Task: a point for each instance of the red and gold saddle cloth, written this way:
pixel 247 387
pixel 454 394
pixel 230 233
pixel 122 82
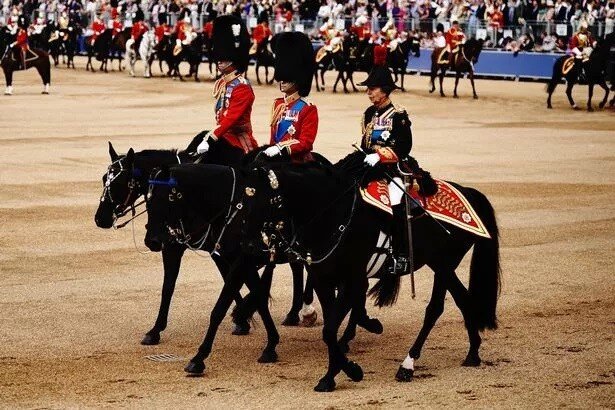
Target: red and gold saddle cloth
pixel 447 205
pixel 450 206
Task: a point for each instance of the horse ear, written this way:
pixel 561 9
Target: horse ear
pixel 130 156
pixel 112 152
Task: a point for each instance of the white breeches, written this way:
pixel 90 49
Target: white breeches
pixel 395 193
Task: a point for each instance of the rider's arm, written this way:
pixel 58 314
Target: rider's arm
pixel 241 100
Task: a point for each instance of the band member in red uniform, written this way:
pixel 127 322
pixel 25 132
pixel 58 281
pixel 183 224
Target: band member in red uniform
pixel 361 29
pixel 98 27
pixel 294 120
pixel 232 138
pixel 454 38
pixel 161 30
pixel 260 32
pixel 116 26
pixel 21 41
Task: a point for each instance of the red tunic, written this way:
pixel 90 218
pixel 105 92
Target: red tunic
pixel 98 27
pixel 580 44
pixel 298 140
pixel 117 28
pixel 260 33
pixel 22 39
pixel 234 99
pixel 161 31
pixel 208 29
pixel 138 29
pixel 179 30
pixel 362 32
pixel 454 37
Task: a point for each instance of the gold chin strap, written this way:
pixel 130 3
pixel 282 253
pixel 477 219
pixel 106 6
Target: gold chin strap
pixel 289 99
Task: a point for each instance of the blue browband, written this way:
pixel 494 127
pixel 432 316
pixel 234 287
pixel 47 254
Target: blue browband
pixel 170 182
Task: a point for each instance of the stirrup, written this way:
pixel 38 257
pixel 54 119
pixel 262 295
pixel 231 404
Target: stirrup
pixel 399 266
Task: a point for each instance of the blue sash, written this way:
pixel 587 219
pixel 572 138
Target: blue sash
pixel 382 124
pixel 289 117
pixel 222 102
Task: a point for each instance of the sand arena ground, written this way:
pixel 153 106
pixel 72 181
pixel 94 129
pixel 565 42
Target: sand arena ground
pixel 76 300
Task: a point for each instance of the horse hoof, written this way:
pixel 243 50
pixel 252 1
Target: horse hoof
pixel 455 96
pixel 475 97
pixel 601 105
pixel 404 375
pixel 309 320
pixel 45 92
pixel 151 339
pixel 550 106
pixel 354 371
pixel 471 361
pixel 268 357
pixel 325 386
pixel 195 369
pixel 291 320
pixel 576 108
pixel 7 93
pixel 442 95
pixel 372 326
pixel 590 109
pixel 241 329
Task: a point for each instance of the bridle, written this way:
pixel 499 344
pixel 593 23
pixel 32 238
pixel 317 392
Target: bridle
pixel 122 208
pixel 179 234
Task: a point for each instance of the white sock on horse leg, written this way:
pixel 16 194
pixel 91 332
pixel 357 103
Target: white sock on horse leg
pixel 307 310
pixel 408 363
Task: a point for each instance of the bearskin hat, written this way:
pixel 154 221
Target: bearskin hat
pixel 294 60
pixel 231 41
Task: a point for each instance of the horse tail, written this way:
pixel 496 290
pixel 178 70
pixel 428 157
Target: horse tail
pixel 386 290
pixel 485 271
pixel 556 76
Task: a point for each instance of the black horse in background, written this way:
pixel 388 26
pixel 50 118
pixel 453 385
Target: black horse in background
pixel 117 48
pixel 303 194
pixel 331 60
pixel 594 69
pixel 68 41
pixel 11 61
pixel 398 57
pixel 192 54
pixel 461 62
pixel 264 58
pixel 100 50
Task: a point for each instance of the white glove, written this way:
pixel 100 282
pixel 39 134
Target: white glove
pixel 372 159
pixel 272 151
pixel 203 147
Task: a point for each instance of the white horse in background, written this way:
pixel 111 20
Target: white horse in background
pixel 146 52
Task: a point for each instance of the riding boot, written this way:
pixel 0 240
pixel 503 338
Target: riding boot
pixel 400 240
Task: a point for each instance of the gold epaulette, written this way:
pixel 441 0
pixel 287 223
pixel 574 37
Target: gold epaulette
pixel 400 108
pixel 219 87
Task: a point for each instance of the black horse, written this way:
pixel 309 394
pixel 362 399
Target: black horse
pixel 460 62
pixel 11 60
pixel 330 60
pixel 100 50
pixel 595 73
pixel 127 182
pixel 398 57
pixel 314 200
pixel 191 53
pixel 68 39
pixel 117 48
pixel 264 58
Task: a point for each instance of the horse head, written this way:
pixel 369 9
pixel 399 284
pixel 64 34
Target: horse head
pixel 119 188
pixel 472 49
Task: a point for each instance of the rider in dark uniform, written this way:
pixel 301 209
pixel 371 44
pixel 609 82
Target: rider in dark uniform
pixel 387 140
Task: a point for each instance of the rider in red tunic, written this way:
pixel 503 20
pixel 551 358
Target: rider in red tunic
pixel 138 29
pixel 294 120
pixel 162 30
pixel 98 27
pixel 117 26
pixel 232 138
pixel 261 31
pixel 21 41
pixel 361 29
pixel 454 38
pixel 581 43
